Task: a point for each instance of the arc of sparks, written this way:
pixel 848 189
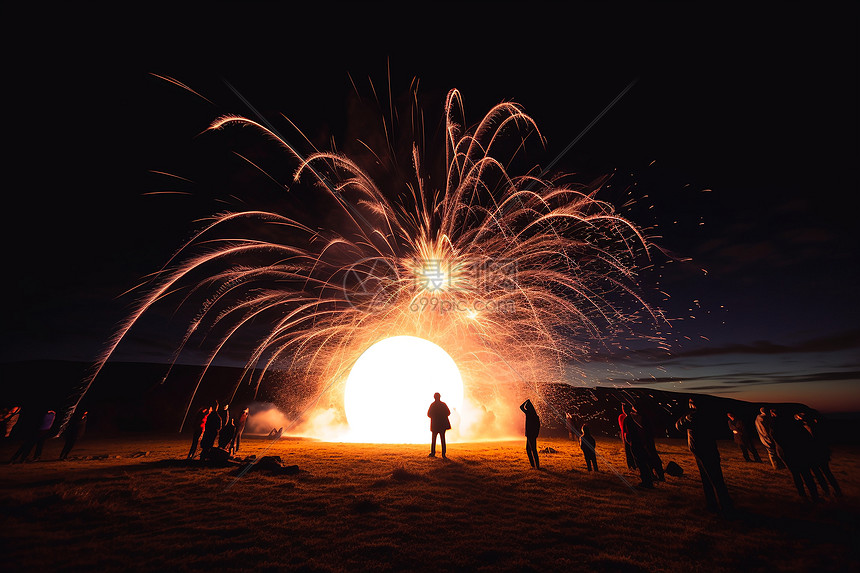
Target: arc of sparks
pixel 555 255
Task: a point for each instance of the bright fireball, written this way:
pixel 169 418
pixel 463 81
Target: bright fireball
pixel 391 385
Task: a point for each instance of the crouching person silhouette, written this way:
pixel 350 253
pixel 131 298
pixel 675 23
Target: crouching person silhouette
pixel 439 423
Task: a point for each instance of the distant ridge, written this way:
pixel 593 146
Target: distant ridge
pixel 134 397
pixel 126 396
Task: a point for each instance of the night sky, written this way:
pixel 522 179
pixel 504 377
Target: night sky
pixel 740 135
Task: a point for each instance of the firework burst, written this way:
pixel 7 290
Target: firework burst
pixel 515 276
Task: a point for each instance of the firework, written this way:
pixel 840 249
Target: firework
pixel 515 276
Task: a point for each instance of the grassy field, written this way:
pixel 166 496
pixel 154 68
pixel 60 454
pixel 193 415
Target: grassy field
pixel 389 507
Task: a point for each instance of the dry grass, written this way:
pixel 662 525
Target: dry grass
pixel 385 507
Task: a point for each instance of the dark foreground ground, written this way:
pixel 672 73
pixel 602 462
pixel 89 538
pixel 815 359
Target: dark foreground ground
pixel 389 507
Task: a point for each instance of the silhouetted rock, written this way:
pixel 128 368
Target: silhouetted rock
pixel 269 464
pixel 219 457
pixel 674 469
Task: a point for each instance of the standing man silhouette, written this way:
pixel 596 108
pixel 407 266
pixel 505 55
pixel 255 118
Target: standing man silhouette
pixel 631 461
pixel 703 445
pixel 764 427
pixel 439 423
pixel 794 445
pixel 741 437
pixel 210 432
pixel 74 431
pixel 532 431
pixel 240 427
pixel 635 440
pixel 10 418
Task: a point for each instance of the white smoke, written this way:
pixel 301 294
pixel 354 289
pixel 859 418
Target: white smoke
pixel 470 422
pixel 264 417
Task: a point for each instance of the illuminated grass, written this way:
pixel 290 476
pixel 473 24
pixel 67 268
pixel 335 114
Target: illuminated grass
pixel 389 507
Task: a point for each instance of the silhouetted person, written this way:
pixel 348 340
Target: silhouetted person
pixel 74 431
pixel 742 437
pixel 647 426
pixel 532 432
pixel 225 438
pixel 703 444
pixel 240 427
pixel 587 445
pixel 568 421
pixel 36 437
pixel 820 461
pixel 764 428
pixel 634 440
pixel 794 447
pixel 210 432
pixel 199 427
pixel 631 461
pixel 438 413
pixel 9 419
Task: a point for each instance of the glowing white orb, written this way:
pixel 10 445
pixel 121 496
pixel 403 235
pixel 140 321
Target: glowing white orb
pixel 391 385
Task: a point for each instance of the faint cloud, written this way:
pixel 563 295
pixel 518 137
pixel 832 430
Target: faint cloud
pixel 845 340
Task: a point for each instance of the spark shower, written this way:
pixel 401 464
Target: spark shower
pixel 515 276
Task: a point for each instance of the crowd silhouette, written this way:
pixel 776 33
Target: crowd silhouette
pixel 36 431
pixel 217 434
pixel 35 437
pixel 795 442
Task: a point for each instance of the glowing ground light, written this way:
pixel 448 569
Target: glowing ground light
pixel 391 385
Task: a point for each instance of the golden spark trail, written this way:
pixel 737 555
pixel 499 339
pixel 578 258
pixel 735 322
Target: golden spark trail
pixel 506 272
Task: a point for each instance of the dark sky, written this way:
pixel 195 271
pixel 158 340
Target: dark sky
pixel 740 133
